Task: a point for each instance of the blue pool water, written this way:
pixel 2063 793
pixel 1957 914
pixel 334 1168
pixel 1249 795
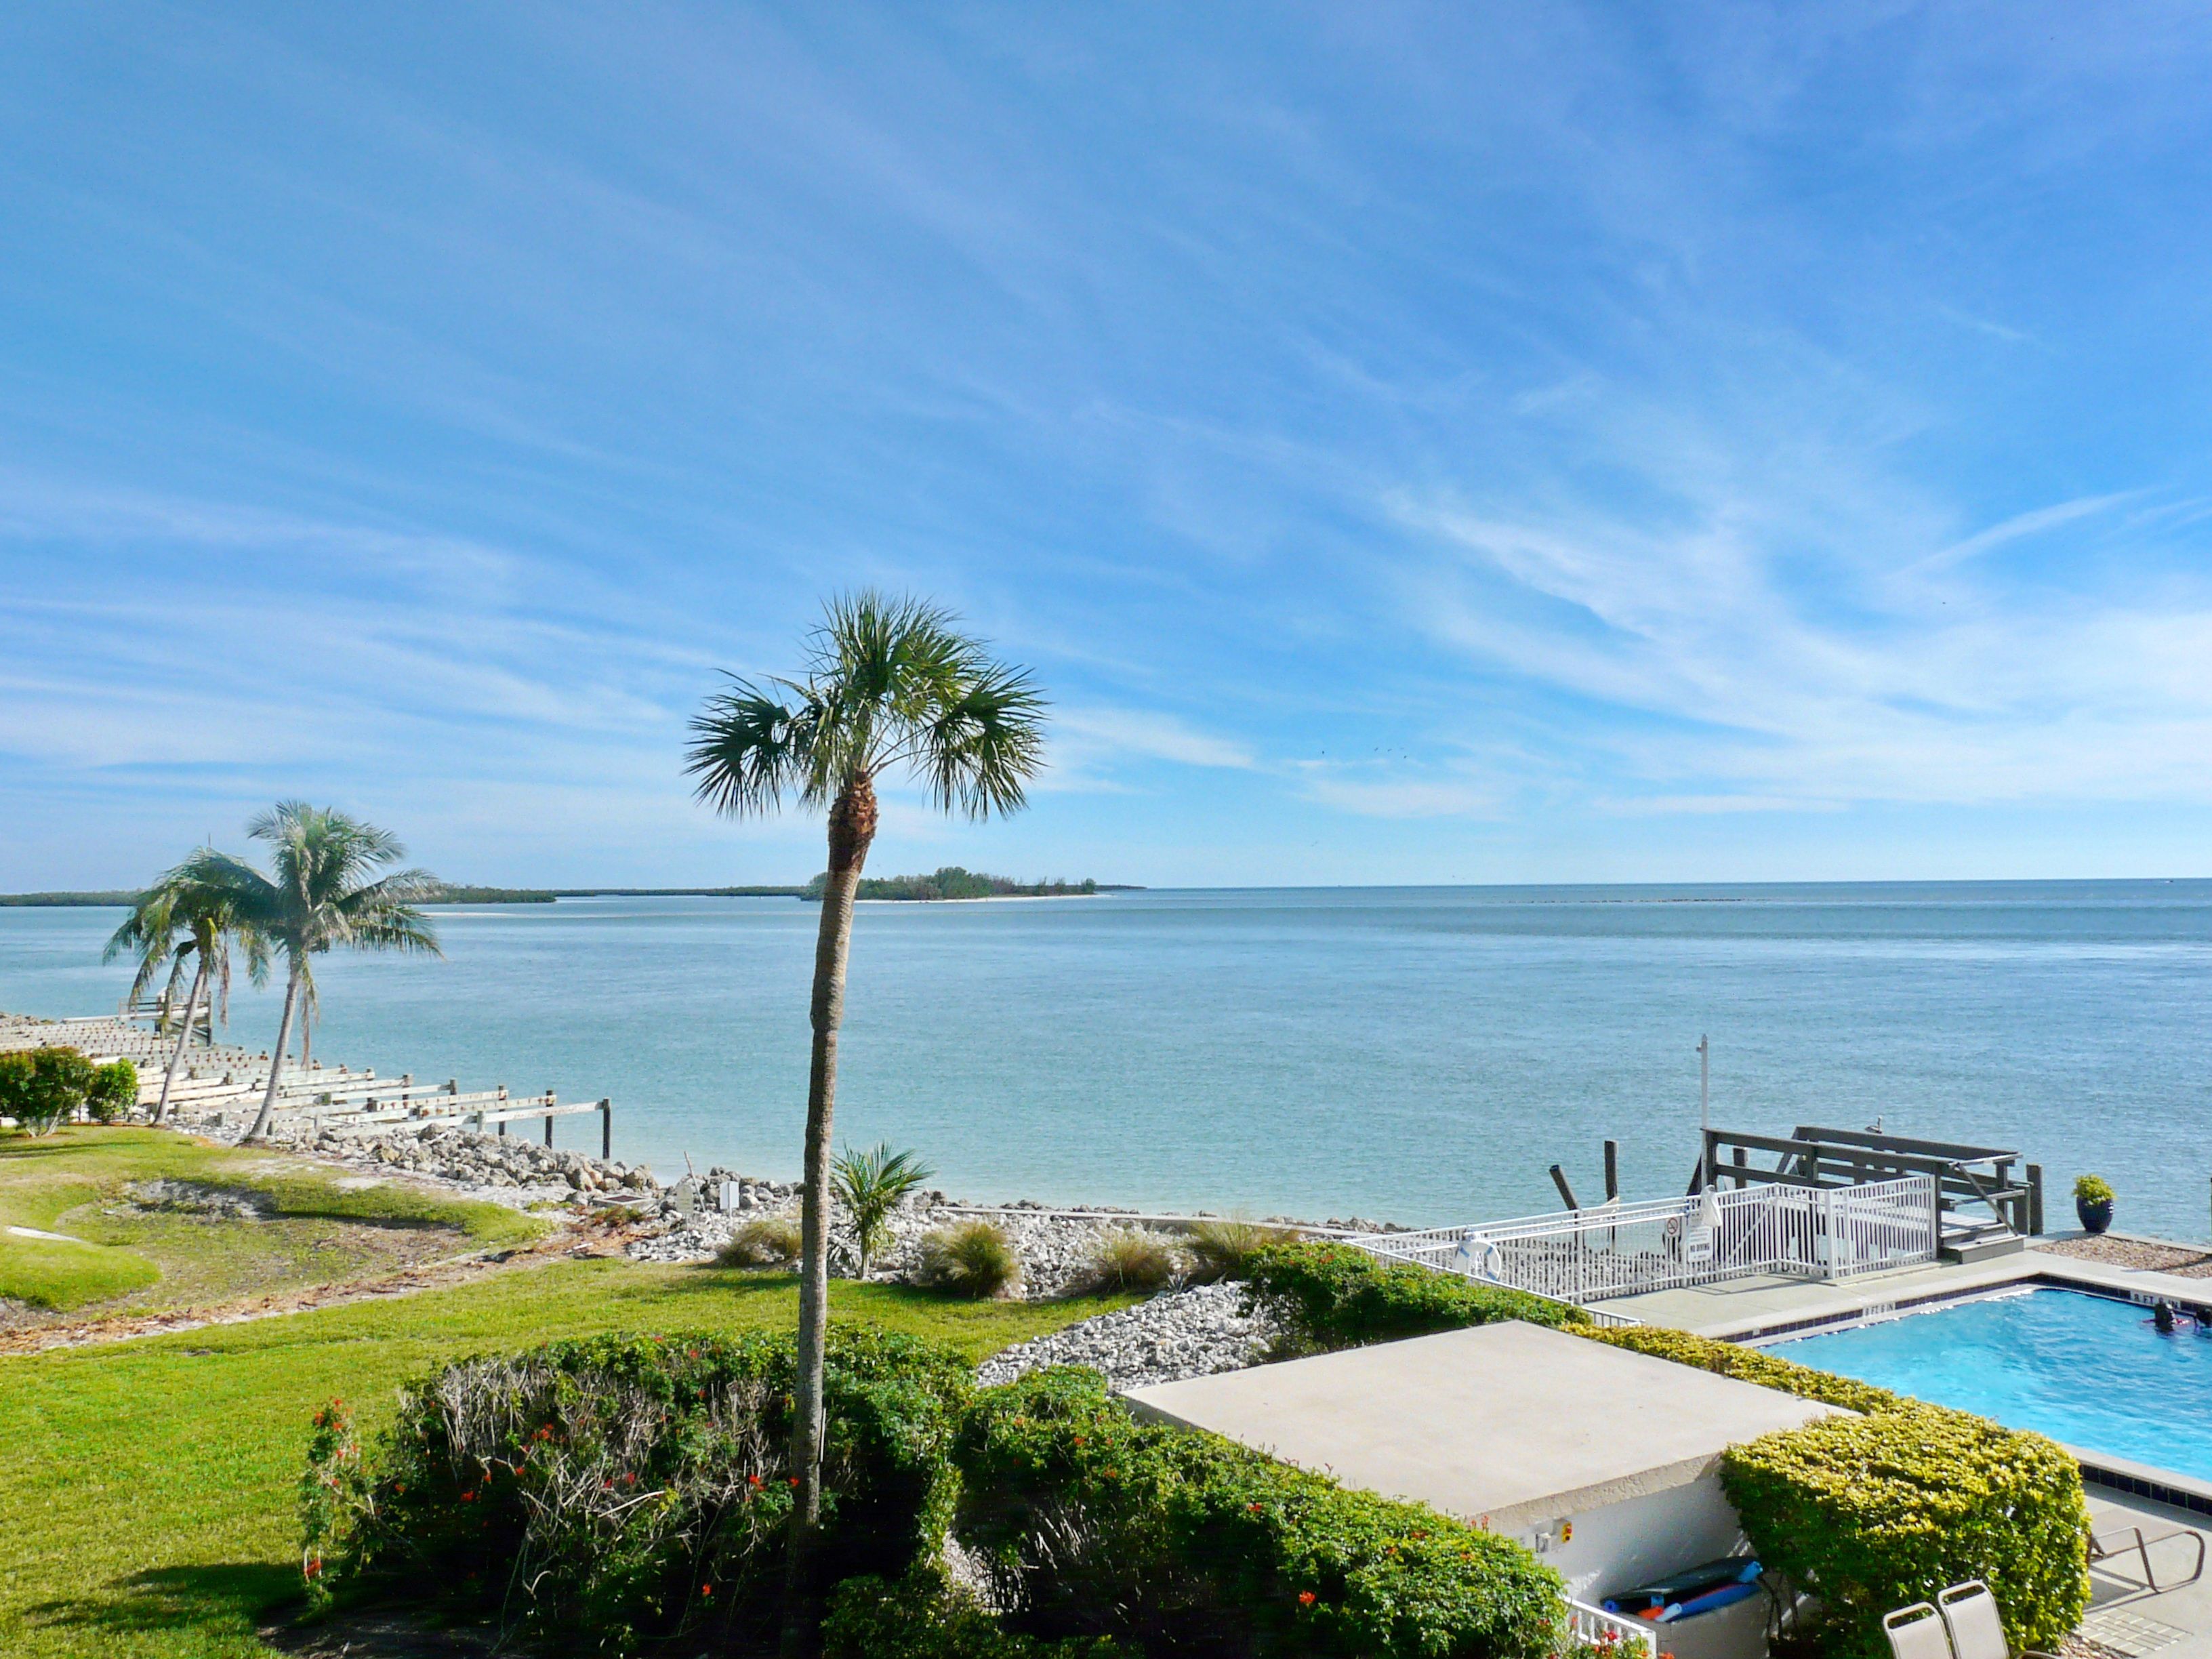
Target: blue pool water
pixel 2086 1370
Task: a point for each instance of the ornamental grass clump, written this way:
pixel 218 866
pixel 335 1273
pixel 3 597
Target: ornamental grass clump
pixel 971 1258
pixel 1326 1296
pixel 1130 1258
pixel 1222 1250
pixel 1087 1523
pixel 772 1241
pixel 619 1492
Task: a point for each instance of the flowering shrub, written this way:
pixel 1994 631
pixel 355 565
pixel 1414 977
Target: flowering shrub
pixel 921 1617
pixel 1089 1523
pixel 620 1490
pixel 1337 1296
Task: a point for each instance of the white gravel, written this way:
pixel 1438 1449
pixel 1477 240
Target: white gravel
pixel 1178 1333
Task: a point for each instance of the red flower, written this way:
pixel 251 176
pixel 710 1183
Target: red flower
pixel 1305 1598
pixel 795 1479
pixel 706 1590
pixel 1255 1508
pixel 755 1479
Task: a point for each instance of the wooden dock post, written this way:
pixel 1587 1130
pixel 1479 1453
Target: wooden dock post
pixel 606 1130
pixel 2035 1200
pixel 548 1118
pixel 1560 1180
pixel 1611 1170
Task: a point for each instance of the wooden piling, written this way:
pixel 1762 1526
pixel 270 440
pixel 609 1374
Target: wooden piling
pixel 1611 1170
pixel 606 1130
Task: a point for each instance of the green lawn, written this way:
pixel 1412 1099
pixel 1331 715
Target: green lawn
pixel 147 1487
pixel 119 1259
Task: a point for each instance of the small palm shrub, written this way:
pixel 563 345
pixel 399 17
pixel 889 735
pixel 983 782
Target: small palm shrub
pixel 773 1241
pixel 1129 1259
pixel 1222 1250
pixel 972 1259
pixel 872 1185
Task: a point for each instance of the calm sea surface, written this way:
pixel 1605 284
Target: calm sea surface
pixel 1417 1054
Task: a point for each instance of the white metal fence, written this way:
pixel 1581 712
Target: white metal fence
pixel 1628 1249
pixel 1595 1627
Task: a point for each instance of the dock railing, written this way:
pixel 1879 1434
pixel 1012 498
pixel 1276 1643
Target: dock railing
pixel 1620 1250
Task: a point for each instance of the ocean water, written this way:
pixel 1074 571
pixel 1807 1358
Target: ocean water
pixel 1417 1054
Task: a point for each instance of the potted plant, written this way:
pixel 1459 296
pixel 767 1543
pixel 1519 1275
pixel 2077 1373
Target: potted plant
pixel 2093 1202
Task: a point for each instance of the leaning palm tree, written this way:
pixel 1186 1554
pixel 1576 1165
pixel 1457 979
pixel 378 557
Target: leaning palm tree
pixel 890 685
pixel 184 919
pixel 320 896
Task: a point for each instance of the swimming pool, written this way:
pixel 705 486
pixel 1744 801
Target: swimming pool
pixel 2086 1370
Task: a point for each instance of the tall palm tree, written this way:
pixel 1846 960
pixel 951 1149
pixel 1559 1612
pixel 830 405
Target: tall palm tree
pixel 890 684
pixel 320 896
pixel 184 919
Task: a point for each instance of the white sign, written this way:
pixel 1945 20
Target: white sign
pixel 1698 1245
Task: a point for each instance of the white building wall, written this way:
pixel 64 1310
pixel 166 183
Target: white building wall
pixel 1628 1543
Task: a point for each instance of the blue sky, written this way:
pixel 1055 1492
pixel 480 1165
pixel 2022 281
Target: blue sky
pixel 1411 443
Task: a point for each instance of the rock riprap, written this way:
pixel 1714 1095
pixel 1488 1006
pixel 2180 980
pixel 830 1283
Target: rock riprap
pixel 1178 1333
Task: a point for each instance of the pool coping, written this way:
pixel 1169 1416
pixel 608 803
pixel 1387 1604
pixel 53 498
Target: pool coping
pixel 2033 1270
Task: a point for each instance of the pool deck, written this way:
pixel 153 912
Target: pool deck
pixel 2126 1616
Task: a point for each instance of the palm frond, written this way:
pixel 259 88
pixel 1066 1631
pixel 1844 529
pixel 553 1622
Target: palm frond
pixel 748 746
pixel 980 749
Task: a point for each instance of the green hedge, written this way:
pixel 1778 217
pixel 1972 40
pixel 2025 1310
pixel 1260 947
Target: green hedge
pixel 1874 1513
pixel 1749 1364
pixel 1090 1524
pixel 112 1094
pixel 1337 1296
pixel 621 1490
pixel 41 1087
pixel 920 1617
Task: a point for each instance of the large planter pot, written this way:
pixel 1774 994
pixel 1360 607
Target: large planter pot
pixel 2095 1217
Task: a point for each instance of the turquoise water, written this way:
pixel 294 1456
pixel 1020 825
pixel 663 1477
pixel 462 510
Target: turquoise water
pixel 2086 1370
pixel 1421 1053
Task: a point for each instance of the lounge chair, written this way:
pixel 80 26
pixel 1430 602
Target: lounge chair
pixel 1969 1612
pixel 1916 1633
pixel 2108 1547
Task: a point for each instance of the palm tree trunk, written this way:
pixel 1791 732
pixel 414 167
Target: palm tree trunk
pixel 276 1061
pixel 852 828
pixel 176 1056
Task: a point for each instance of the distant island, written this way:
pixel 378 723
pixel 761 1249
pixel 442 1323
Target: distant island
pixel 954 883
pixel 950 883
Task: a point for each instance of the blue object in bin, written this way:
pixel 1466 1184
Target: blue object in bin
pixel 1680 1595
pixel 1726 1596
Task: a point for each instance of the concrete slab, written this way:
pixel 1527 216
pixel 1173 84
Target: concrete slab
pixel 1507 1426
